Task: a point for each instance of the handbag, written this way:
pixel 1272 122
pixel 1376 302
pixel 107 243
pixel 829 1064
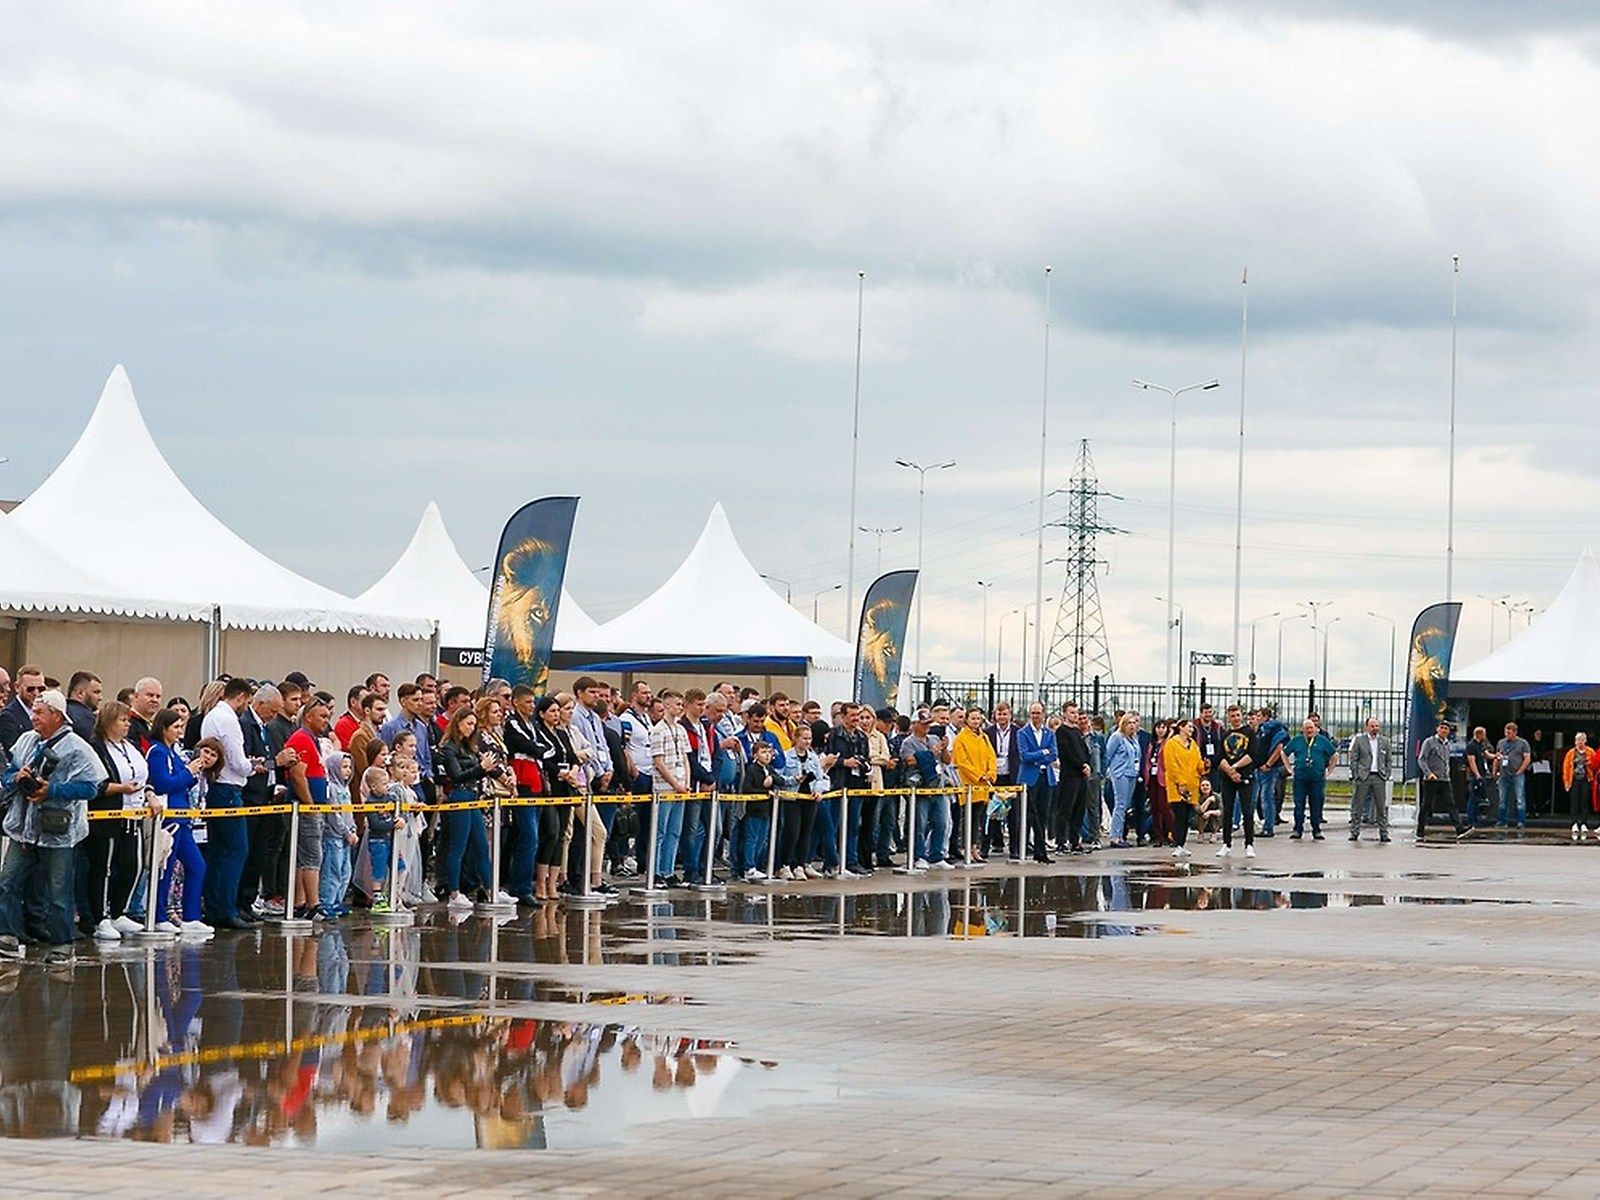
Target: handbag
pixel 55 822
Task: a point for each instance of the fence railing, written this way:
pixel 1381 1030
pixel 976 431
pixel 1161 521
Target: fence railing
pixel 1343 710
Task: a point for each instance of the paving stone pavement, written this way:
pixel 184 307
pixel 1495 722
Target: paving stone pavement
pixel 1387 1042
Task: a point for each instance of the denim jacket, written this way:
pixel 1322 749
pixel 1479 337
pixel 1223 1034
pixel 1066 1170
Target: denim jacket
pixel 74 781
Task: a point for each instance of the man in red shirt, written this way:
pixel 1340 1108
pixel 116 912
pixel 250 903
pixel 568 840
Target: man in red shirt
pixel 346 725
pixel 309 781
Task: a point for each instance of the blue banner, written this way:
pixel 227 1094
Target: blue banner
pixel 1433 641
pixel 885 613
pixel 528 572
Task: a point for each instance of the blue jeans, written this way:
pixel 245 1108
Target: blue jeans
pixel 825 839
pixel 933 827
pixel 518 857
pixel 887 826
pixel 1513 786
pixel 1313 788
pixel 755 830
pixel 229 846
pixel 32 872
pixel 669 829
pixel 466 841
pixel 1266 796
pixel 335 878
pixel 1122 794
pixel 852 816
pixel 379 851
pixel 696 821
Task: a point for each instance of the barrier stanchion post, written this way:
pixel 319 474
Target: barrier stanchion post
pixel 844 829
pixel 911 837
pixel 494 904
pixel 398 914
pixel 710 884
pixel 1020 852
pixel 966 831
pixel 650 888
pixel 152 889
pixel 288 922
pixel 772 840
pixel 583 897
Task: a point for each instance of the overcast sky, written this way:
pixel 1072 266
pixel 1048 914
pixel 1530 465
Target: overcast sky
pixel 377 253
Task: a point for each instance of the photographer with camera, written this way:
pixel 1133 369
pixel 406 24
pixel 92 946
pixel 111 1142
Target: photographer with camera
pixel 46 789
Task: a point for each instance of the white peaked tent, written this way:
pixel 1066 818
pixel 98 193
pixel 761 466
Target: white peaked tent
pixel 430 578
pixel 717 609
pixel 35 580
pixel 1558 654
pixel 193 559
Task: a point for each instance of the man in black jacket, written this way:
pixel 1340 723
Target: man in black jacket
pixel 847 744
pixel 264 738
pixel 16 718
pixel 1073 791
pixel 83 702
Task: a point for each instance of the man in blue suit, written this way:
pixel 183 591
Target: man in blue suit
pixel 1036 748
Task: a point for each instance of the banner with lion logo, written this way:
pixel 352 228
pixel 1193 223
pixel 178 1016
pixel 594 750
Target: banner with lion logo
pixel 528 572
pixel 884 615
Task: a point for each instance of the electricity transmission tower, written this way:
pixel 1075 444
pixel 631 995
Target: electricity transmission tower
pixel 1079 650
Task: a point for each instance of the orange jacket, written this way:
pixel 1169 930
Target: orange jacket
pixel 1592 761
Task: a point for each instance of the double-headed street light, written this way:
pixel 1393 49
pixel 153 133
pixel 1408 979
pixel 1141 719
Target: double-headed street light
pixel 922 584
pixel 1172 504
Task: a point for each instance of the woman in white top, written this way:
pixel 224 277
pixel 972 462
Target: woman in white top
pixel 110 854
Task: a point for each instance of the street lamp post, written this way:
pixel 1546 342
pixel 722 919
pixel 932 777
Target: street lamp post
pixel 1327 636
pixel 788 588
pixel 1281 623
pixel 879 531
pixel 1038 623
pixel 1044 442
pixel 922 491
pixel 1172 503
pixel 1393 628
pixel 1000 641
pixel 855 457
pixel 1173 667
pixel 816 596
pixel 1450 503
pixel 1316 607
pixel 983 656
pixel 1495 602
pixel 1253 625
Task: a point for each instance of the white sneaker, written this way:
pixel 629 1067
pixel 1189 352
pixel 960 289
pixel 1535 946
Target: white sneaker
pixel 785 873
pixel 1574 833
pixel 459 902
pixel 754 876
pixel 504 898
pixel 107 932
pixel 126 925
pixel 1249 851
pixel 809 872
pixel 941 865
pixel 1225 852
pixel 196 927
pixel 920 865
pixel 169 927
pixel 847 873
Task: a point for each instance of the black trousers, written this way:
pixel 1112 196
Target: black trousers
pixel 1236 794
pixel 1071 803
pixel 110 865
pixel 1180 821
pixel 1578 798
pixel 1041 796
pixel 1435 792
pixel 795 832
pixel 262 874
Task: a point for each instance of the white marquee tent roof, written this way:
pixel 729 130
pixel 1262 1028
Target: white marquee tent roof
pixel 37 579
pixel 1558 653
pixel 717 605
pixel 200 562
pixel 431 578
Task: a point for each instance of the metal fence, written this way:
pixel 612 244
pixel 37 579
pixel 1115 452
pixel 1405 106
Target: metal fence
pixel 1343 710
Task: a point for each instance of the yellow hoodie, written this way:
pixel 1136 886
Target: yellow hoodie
pixel 974 760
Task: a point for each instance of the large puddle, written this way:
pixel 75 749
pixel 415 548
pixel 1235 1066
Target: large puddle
pixel 355 1040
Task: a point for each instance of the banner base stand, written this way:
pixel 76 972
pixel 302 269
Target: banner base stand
pixel 709 889
pixel 293 925
pixel 589 900
pixel 394 920
pixel 494 907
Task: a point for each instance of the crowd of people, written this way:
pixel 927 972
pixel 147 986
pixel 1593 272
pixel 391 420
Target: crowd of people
pixel 395 789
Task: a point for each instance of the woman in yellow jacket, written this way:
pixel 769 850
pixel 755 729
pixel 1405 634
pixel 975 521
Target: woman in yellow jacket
pixel 1180 762
pixel 975 764
pixel 1578 773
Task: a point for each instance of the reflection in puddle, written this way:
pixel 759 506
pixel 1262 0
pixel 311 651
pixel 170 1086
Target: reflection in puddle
pixel 170 1045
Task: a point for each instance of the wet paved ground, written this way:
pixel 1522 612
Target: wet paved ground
pixel 1333 1020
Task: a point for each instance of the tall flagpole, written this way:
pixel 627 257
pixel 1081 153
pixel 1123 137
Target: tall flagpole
pixel 1044 439
pixel 855 459
pixel 1450 518
pixel 1238 514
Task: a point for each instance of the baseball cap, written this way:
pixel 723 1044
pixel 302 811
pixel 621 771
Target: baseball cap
pixel 53 699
